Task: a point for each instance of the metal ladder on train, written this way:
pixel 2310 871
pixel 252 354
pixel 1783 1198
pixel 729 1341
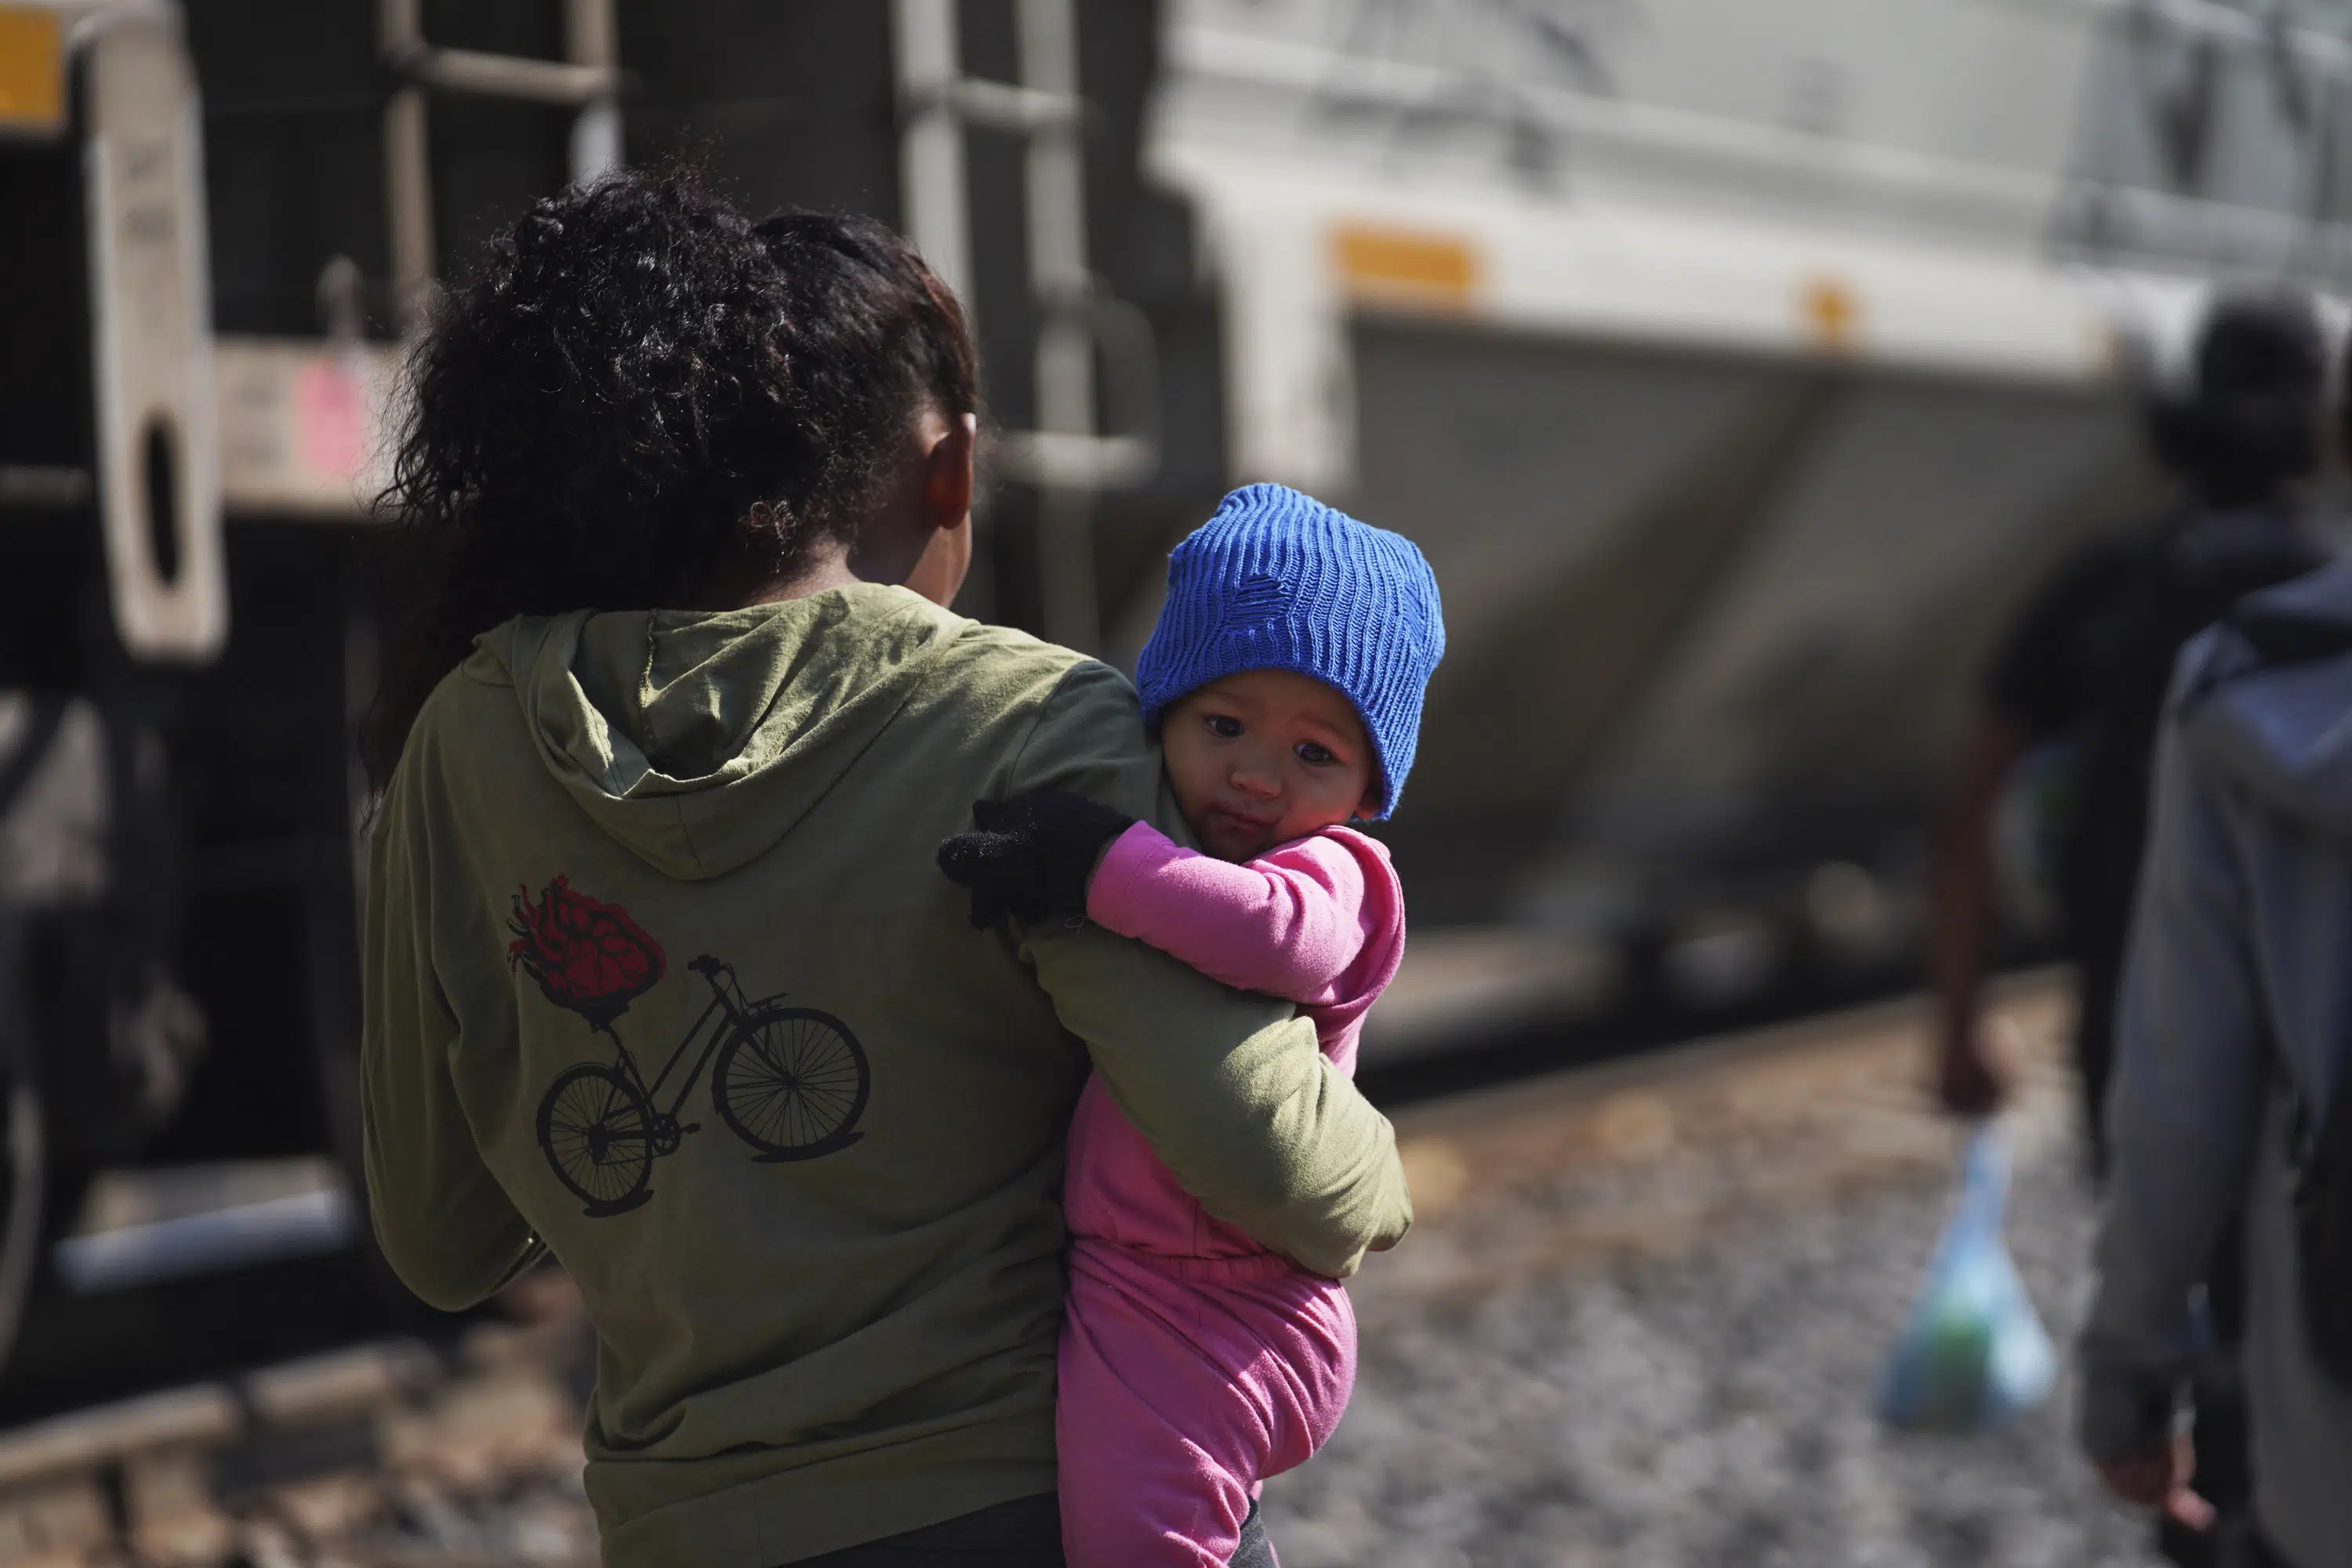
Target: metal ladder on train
pixel 588 79
pixel 1065 458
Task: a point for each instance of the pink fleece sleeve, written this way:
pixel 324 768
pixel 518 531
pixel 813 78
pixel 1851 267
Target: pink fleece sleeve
pixel 1288 924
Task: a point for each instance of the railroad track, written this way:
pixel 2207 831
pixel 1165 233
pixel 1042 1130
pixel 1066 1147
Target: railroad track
pixel 465 1453
pixel 392 1453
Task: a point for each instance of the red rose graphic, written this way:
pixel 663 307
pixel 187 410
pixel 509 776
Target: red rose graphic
pixel 587 955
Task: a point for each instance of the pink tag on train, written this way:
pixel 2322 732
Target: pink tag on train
pixel 333 414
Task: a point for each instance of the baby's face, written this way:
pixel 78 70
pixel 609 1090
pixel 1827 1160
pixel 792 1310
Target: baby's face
pixel 1264 757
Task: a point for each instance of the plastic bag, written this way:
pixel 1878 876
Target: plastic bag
pixel 1974 1353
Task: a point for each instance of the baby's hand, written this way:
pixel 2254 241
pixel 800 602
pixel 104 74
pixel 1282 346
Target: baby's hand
pixel 1033 854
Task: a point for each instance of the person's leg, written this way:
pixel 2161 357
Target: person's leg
pixel 1024 1533
pixel 1154 1440
pixel 1255 1551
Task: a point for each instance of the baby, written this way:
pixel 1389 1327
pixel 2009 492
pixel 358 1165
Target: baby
pixel 1285 676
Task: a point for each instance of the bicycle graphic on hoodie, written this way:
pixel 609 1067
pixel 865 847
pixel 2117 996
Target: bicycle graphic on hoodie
pixel 789 1081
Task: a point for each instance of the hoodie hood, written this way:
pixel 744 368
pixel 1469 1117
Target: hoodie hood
pixel 2265 700
pixel 698 739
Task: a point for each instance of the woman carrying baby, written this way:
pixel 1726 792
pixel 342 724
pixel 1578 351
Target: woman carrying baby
pixel 1285 679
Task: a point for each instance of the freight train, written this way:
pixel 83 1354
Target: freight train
pixel 1735 362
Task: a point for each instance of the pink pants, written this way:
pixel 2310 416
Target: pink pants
pixel 1185 1382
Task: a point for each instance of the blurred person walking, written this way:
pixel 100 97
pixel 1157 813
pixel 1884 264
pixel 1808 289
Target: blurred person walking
pixel 2229 1127
pixel 2085 666
pixel 660 977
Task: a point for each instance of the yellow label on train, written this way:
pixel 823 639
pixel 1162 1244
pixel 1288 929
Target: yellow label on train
pixel 1401 267
pixel 32 69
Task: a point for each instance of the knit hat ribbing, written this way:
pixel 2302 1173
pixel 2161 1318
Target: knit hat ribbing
pixel 1277 580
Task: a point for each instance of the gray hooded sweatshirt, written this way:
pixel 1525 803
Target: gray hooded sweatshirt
pixel 2237 1004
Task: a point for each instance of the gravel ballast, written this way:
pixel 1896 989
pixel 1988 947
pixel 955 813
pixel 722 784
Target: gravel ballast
pixel 1696 1390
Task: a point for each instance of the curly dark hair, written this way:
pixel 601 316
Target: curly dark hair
pixel 637 392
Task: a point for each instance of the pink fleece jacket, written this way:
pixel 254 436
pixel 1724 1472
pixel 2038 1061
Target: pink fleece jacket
pixel 1195 1363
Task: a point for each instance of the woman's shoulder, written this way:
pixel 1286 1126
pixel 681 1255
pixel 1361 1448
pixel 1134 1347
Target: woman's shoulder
pixel 470 708
pixel 468 695
pixel 1018 670
pixel 1052 719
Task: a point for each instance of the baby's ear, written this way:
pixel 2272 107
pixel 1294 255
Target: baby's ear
pixel 1369 808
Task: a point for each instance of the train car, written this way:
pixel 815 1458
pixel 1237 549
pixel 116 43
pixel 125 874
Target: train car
pixel 1738 367
pixel 1734 362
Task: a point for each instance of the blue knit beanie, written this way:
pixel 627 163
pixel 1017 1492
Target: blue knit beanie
pixel 1277 580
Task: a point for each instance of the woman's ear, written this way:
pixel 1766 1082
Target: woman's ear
pixel 945 515
pixel 947 474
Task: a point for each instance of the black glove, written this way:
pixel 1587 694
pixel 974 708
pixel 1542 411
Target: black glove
pixel 1033 854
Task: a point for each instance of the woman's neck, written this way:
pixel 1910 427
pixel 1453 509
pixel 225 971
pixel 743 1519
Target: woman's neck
pixel 815 577
pixel 740 589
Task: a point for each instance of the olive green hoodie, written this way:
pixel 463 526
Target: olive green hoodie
pixel 815 1216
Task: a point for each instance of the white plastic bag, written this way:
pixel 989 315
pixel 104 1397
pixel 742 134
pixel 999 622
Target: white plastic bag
pixel 1974 1353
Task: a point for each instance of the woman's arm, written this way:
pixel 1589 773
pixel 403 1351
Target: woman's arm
pixel 1290 923
pixel 1231 1092
pixel 443 1222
